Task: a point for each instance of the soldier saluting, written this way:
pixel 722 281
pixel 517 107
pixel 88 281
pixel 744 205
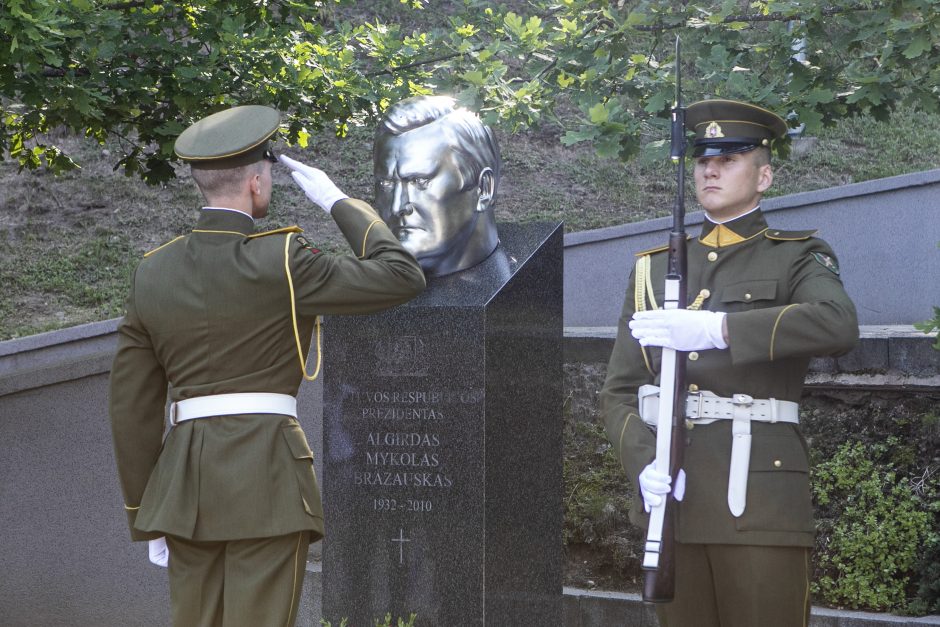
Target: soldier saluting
pixel 762 302
pixel 223 316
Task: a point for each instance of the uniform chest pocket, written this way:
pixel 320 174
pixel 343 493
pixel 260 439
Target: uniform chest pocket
pixel 749 295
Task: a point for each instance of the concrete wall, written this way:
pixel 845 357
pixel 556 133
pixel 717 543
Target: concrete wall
pixel 885 234
pixel 66 558
pixel 65 555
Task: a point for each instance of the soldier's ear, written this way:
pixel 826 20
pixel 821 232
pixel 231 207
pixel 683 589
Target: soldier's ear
pixel 486 189
pixel 765 178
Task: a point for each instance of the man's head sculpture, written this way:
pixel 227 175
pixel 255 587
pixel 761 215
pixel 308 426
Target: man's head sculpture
pixel 436 172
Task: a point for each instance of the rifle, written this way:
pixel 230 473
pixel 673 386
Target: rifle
pixel 659 558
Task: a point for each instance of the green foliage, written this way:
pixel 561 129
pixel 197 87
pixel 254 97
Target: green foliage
pixel 152 67
pixel 929 326
pixel 615 63
pixel 594 483
pixel 602 71
pixel 383 622
pixel 872 527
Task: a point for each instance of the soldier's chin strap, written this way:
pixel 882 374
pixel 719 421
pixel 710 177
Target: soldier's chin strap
pixel 293 315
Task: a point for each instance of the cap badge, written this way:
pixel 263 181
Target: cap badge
pixel 713 130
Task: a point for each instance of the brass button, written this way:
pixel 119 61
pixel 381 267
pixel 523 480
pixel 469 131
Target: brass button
pixel 693 387
pixel 777 463
pixel 747 297
pixel 705 293
pixel 693 356
pixel 712 256
pixel 689 424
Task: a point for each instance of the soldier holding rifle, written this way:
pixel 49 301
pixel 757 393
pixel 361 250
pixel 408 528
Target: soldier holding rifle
pixel 760 303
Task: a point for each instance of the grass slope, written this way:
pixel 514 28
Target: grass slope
pixel 68 243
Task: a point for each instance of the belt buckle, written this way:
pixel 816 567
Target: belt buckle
pixel 744 400
pixel 173 414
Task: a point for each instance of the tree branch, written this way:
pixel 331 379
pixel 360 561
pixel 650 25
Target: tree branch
pixel 770 17
pixel 132 4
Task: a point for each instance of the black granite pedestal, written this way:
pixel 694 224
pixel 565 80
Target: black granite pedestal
pixel 442 432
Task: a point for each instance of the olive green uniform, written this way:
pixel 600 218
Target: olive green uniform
pixel 211 313
pixel 785 303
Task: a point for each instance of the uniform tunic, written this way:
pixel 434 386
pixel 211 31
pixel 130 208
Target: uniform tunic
pixel 785 304
pixel 210 313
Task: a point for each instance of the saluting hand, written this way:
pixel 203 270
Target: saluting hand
pixel 316 184
pixel 680 329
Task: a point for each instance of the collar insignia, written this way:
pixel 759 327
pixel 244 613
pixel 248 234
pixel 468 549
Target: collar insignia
pixel 713 130
pixel 721 236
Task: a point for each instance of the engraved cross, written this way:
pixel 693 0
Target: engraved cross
pixel 401 539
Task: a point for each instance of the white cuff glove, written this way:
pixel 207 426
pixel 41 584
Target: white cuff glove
pixel 679 329
pixel 654 485
pixel 159 553
pixel 316 184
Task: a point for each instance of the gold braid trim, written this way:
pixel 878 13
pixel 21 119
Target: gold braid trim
pixel 175 239
pixel 622 431
pixel 290 613
pixel 699 300
pixel 366 236
pixel 284 229
pixel 642 282
pixel 220 232
pixel 131 509
pixel 773 334
pixel 293 315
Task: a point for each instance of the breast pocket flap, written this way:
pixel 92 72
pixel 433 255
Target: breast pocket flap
pixel 749 292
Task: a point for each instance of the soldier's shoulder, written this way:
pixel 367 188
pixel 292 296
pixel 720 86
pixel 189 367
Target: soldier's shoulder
pixel 281 231
pixel 652 251
pixel 166 246
pixel 658 249
pixel 780 235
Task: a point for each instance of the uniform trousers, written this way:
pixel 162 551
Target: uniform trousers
pixel 727 585
pixel 237 583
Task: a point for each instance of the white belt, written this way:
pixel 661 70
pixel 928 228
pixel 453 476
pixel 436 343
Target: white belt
pixel 704 407
pixel 229 404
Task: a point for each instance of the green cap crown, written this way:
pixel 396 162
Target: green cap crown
pixel 728 126
pixel 229 138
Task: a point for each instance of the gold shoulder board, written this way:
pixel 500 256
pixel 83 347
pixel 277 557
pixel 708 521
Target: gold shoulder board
pixel 162 246
pixel 651 251
pixel 788 236
pixel 287 229
pixel 658 249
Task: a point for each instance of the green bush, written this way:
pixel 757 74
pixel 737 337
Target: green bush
pixel 871 540
pixel 386 622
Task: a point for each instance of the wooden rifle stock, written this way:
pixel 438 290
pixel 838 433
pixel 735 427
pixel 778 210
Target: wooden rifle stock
pixel 659 558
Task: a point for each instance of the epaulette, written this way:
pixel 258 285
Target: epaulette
pixel 651 251
pixel 788 236
pixel 162 246
pixel 658 249
pixel 286 229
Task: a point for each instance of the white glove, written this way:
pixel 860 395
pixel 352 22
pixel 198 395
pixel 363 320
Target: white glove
pixel 679 329
pixel 159 553
pixel 654 485
pixel 316 184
